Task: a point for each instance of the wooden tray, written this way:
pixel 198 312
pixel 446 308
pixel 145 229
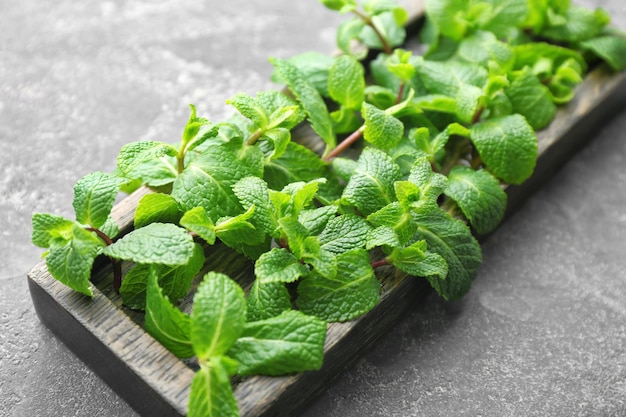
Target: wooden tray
pixel 109 338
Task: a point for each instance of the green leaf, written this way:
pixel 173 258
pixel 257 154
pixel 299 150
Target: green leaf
pixel 175 281
pixel 400 64
pixel 290 342
pixel 316 219
pixel 507 146
pixel 397 218
pixel 154 163
pixel 504 16
pixel 197 220
pixel 479 196
pixel 250 108
pixel 610 48
pixel 431 184
pixel 352 292
pixel 483 47
pixel 348 32
pixel 580 24
pixel 346 82
pixel 70 261
pixel 314 66
pixel 448 16
pixel 208 178
pixel 94 195
pixel 48 228
pixel 192 128
pixel 166 323
pixel 236 230
pixel 267 299
pixel 389 26
pixel 284 111
pixel 211 392
pixel 296 164
pixel 371 185
pixel 279 265
pixel 530 98
pixel 339 5
pixel 309 98
pixel 218 317
pixel 253 191
pixel 381 129
pixel 344 233
pixel 156 207
pixel 159 243
pixel 417 261
pixel 452 240
pixel 382 236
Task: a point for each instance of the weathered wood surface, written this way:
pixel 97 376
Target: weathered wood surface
pixel 109 337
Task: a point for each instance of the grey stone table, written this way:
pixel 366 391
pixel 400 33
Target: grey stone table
pixel 542 332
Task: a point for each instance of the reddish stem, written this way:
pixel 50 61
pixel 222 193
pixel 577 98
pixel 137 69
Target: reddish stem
pixel 381 262
pixel 356 135
pixel 117 265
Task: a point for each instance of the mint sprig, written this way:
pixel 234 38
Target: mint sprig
pixel 416 151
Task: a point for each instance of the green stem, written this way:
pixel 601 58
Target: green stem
pixel 356 135
pixel 254 137
pixel 180 160
pixel 368 21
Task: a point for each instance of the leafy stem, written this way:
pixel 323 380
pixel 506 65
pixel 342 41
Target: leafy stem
pixel 368 21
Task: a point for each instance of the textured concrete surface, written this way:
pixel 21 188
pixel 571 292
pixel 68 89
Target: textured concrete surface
pixel 542 332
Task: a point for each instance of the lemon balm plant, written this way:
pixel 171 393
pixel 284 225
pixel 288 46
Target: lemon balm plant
pixel 435 136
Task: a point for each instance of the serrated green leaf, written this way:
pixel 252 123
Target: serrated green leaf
pixel 580 24
pixel 316 219
pixel 253 191
pixel 609 48
pixel 536 54
pixel 315 67
pixel 309 98
pixel 290 342
pixel 197 220
pixel 71 262
pixel 431 184
pixel 189 139
pixel 278 265
pixel 371 185
pixel 218 317
pixel 479 196
pixel 504 16
pixel 159 243
pixel 296 164
pixel 154 163
pixel 382 236
pixel 166 323
pixel 48 227
pixel 156 207
pixel 175 281
pixel 348 32
pixel 237 229
pixel 94 195
pixel 381 129
pixel 208 178
pixel 483 47
pixel 250 108
pixel 295 234
pixel 448 16
pixel 211 392
pixel 300 194
pixel 267 299
pixel 352 292
pixel 393 215
pixel 346 82
pixel 530 98
pixel 453 241
pixel 417 261
pixel 507 146
pixel 284 111
pixel 344 233
pixel 387 26
pixel 339 5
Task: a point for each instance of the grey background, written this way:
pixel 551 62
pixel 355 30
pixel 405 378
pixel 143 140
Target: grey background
pixel 542 332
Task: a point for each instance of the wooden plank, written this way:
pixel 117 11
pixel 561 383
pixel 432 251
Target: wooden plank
pixel 109 337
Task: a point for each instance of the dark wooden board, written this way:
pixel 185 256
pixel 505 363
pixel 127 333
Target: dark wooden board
pixel 109 338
